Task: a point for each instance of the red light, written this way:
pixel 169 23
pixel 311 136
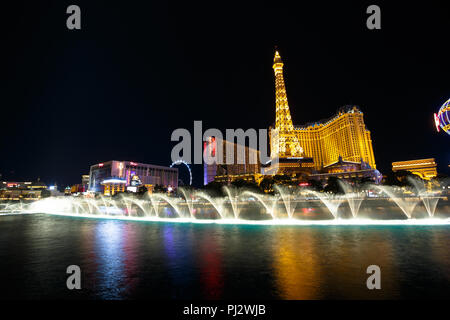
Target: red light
pixel 210 146
pixel 304 184
pixel 133 163
pixel 100 164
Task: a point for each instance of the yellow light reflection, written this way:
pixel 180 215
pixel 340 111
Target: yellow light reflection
pixel 296 266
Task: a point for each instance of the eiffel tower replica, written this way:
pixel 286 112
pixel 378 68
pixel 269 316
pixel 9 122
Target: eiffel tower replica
pixel 285 149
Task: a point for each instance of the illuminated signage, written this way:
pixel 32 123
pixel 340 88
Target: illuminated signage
pixel 132 189
pixel 113 181
pixel 133 163
pixel 213 141
pixel 120 169
pixel 100 164
pixel 135 181
pixel 304 184
pixel 210 147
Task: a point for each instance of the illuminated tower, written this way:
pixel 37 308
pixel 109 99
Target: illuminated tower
pixel 284 139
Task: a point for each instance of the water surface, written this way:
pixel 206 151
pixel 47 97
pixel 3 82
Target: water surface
pixel 129 260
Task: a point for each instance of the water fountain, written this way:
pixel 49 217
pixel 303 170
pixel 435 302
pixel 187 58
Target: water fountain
pixel 155 204
pixel 93 207
pixel 287 194
pixel 170 201
pixel 332 202
pixel 407 206
pixel 139 203
pixel 217 203
pixel 429 198
pixel 201 207
pixel 233 197
pixel 354 198
pixel 188 197
pixel 11 207
pixel 268 204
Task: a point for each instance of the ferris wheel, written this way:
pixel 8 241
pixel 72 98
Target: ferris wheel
pixel 178 162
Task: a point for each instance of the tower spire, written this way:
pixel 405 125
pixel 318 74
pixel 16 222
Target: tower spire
pixel 288 145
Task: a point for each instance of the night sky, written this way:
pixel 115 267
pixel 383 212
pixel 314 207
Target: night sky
pixel 117 88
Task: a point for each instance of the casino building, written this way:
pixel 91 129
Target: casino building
pixel 246 164
pixel 118 176
pixel 29 190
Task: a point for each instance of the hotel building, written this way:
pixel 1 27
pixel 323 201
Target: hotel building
pixel 344 135
pixel 28 190
pixel 115 176
pixel 245 162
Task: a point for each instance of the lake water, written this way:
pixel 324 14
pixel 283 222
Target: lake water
pixel 129 259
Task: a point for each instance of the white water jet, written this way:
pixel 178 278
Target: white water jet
pixel 155 205
pixel 354 199
pixel 12 207
pixel 429 198
pixel 287 195
pixel 430 204
pixel 138 203
pixel 233 197
pixel 406 206
pixel 228 208
pixel 217 203
pixel 93 203
pixel 170 201
pixel 189 201
pixel 269 205
pixel 330 201
pixel 294 222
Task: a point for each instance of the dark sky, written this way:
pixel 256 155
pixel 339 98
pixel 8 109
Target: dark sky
pixel 117 88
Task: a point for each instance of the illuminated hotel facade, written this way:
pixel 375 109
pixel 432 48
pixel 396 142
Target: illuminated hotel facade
pixel 246 163
pixel 21 190
pixel 343 137
pixel 116 176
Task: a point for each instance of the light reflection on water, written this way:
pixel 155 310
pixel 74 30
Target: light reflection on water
pixel 296 267
pixel 110 256
pixel 325 263
pixel 123 259
pixel 177 260
pixel 115 260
